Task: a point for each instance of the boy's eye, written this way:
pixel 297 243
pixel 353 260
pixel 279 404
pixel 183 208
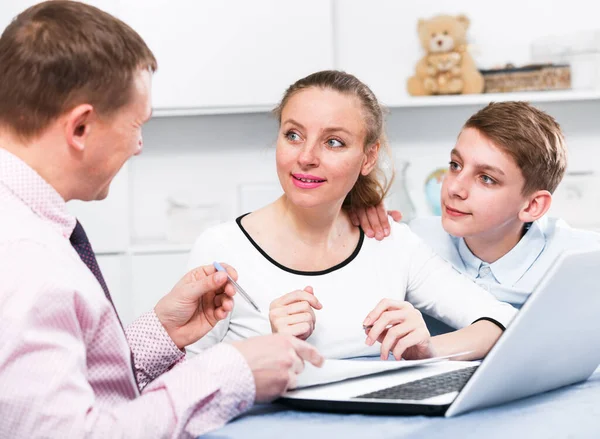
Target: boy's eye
pixel 487 179
pixel 334 143
pixel 292 136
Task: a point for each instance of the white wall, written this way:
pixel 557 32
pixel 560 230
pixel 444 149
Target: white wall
pixel 377 40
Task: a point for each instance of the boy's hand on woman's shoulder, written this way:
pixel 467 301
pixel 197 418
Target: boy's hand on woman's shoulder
pixel 374 220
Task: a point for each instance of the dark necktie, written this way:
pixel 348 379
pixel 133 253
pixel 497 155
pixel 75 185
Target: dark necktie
pixel 81 244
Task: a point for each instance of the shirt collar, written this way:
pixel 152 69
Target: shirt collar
pixel 27 185
pixel 472 262
pixel 512 266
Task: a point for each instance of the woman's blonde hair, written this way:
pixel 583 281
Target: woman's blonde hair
pixel 370 189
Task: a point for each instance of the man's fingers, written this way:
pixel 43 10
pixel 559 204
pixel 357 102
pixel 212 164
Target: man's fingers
pixel 212 283
pixel 230 270
pixel 223 311
pixel 307 352
pixel 222 301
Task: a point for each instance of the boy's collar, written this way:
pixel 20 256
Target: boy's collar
pixel 512 266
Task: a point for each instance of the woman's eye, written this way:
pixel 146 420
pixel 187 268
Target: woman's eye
pixel 334 143
pixel 292 136
pixel 487 179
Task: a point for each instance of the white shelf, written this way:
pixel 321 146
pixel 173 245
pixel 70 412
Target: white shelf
pixel 207 111
pixel 408 102
pixel 158 247
pixel 484 98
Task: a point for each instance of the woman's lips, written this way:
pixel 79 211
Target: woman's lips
pixel 306 181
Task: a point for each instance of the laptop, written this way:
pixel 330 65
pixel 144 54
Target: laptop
pixel 552 342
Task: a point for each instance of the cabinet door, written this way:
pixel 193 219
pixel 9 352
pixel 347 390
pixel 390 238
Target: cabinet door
pixel 231 53
pixel 115 269
pixel 153 276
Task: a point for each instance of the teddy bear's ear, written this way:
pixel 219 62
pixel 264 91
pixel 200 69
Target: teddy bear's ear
pixel 420 25
pixel 464 20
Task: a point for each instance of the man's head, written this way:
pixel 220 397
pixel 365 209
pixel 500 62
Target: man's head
pixel 508 160
pixel 74 90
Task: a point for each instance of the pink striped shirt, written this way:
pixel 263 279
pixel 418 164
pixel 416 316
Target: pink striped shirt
pixel 65 368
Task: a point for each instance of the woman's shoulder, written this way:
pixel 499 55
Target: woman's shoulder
pixel 219 233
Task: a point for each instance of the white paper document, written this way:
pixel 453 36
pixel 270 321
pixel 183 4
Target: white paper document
pixel 339 370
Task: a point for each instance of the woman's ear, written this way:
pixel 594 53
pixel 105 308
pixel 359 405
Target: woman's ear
pixel 371 157
pixel 79 125
pixel 538 205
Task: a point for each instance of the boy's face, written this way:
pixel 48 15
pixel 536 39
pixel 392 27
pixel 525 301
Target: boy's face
pixel 481 193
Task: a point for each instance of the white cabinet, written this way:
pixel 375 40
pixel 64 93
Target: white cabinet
pixel 115 269
pixel 153 276
pixel 231 53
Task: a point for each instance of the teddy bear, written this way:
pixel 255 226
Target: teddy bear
pixel 447 67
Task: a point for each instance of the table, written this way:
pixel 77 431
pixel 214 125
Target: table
pixel 570 412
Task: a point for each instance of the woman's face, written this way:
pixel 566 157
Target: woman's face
pixel 320 147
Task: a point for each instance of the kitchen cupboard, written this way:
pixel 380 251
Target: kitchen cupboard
pixel 231 53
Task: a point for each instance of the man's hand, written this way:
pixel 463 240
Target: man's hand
pixel 195 305
pixel 374 221
pixel 293 313
pixel 400 329
pixel 275 361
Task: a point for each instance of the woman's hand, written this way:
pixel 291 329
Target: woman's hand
pixel 374 221
pixel 400 328
pixel 293 313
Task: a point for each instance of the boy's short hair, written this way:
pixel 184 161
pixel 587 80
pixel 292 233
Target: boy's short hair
pixel 60 54
pixel 530 136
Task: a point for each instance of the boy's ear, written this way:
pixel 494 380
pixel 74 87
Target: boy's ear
pixel 371 159
pixel 539 203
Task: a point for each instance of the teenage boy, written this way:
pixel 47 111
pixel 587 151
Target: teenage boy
pixel 508 160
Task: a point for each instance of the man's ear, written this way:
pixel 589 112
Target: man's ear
pixel 79 125
pixel 371 158
pixel 538 205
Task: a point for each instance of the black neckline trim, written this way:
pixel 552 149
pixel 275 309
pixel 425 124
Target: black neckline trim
pixel 494 321
pixel 345 262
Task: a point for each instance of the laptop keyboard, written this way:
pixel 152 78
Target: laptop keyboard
pixel 425 388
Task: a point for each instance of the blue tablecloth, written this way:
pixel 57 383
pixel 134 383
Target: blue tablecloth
pixel 570 412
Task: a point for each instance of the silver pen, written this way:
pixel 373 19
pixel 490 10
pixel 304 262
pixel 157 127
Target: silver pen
pixel 237 287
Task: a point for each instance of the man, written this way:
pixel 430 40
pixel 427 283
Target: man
pixel 74 94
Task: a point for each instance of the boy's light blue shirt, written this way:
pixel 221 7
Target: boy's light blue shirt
pixel 514 276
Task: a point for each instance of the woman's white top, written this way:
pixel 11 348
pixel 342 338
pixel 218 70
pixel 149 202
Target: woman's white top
pixel 401 267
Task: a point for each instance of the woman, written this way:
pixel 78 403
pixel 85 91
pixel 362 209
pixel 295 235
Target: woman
pixel 302 259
